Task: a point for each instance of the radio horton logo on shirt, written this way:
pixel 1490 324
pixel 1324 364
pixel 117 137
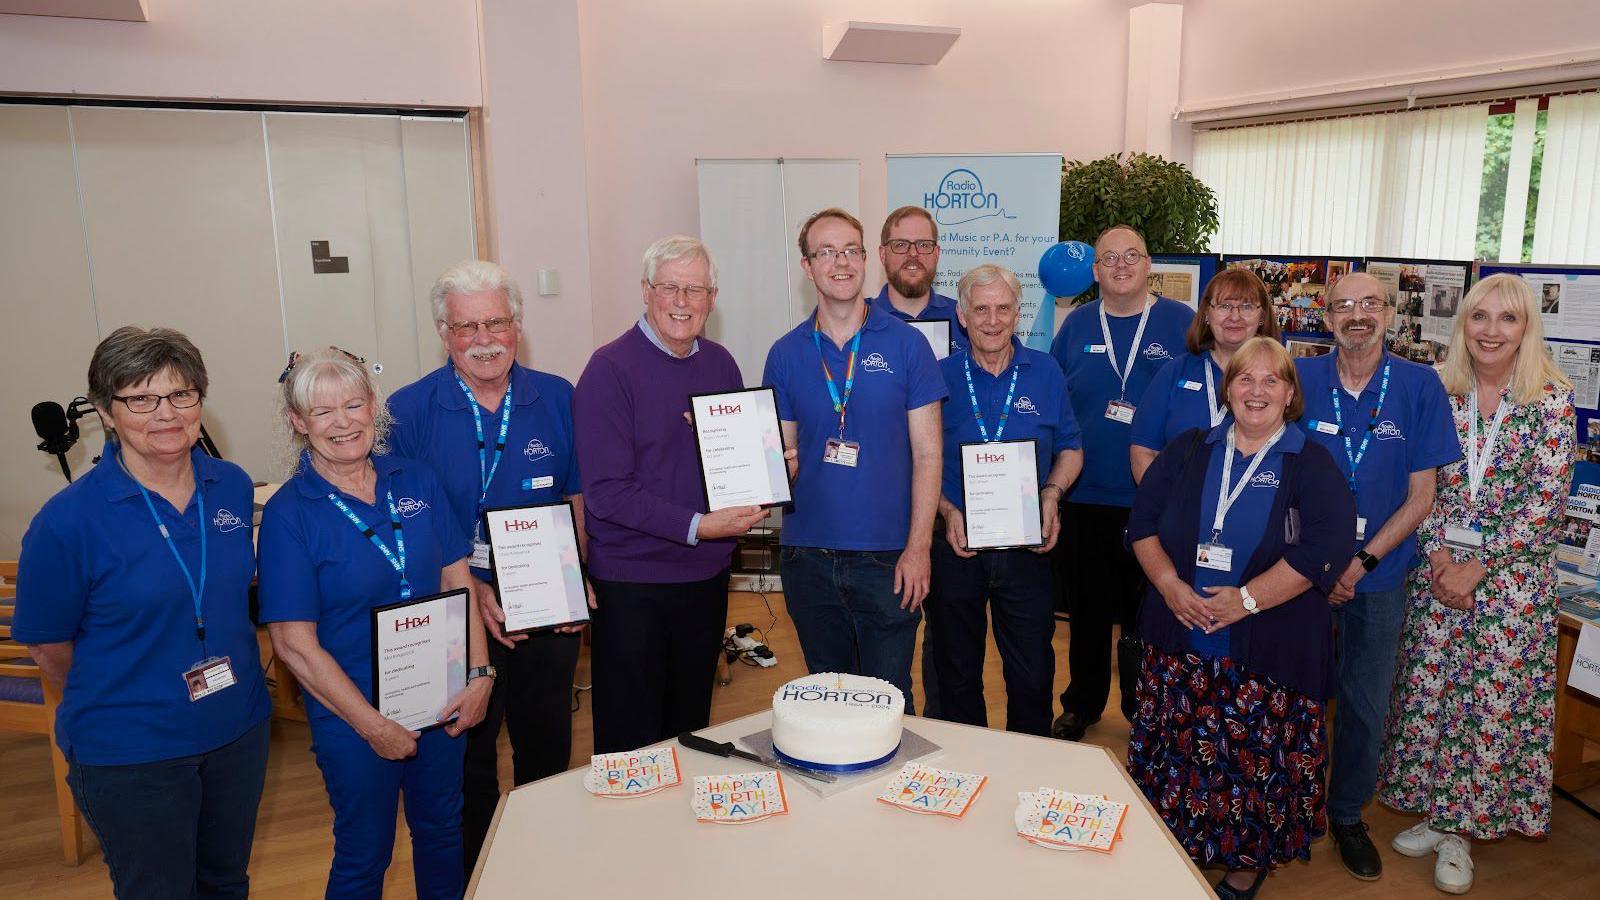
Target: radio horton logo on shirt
pixel 1025 407
pixel 536 450
pixel 409 507
pixel 960 198
pixel 1265 479
pixel 874 362
pixel 1387 431
pixel 1156 351
pixel 225 521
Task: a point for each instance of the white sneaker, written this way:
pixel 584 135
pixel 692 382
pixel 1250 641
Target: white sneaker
pixel 1418 840
pixel 1453 872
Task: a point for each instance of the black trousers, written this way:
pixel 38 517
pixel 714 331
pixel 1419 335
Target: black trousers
pixel 533 695
pixel 1104 584
pixel 654 659
pixel 1015 589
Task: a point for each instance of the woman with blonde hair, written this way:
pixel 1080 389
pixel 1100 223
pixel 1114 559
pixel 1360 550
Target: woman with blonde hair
pixel 1469 734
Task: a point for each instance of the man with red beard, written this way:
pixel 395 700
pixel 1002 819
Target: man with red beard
pixel 908 247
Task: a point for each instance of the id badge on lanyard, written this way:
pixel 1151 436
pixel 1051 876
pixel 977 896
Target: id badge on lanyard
pixel 208 676
pixel 1120 410
pixel 1213 554
pixel 836 450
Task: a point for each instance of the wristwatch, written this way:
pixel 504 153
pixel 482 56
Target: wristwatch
pixel 1368 561
pixel 481 672
pixel 1249 601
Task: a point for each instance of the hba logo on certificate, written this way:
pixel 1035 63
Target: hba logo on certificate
pixel 521 525
pixel 410 623
pixel 723 409
pixel 990 458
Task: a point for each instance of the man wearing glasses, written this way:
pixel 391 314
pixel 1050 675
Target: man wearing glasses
pixel 658 561
pixel 1109 349
pixel 497 433
pixel 909 252
pixel 1387 423
pixel 858 396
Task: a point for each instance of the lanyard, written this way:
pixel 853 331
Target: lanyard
pixel 839 404
pixel 397 556
pixel 1226 497
pixel 1217 413
pixel 197 591
pixel 1354 456
pixel 486 470
pixel 1005 411
pixel 1478 460
pixel 1133 352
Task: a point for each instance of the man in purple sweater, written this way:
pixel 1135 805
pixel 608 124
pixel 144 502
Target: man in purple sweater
pixel 658 561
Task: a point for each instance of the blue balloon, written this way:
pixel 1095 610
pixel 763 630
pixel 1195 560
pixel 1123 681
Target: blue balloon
pixel 1067 269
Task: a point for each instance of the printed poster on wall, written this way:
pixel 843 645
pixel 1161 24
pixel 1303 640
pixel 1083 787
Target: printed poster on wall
pixel 1001 208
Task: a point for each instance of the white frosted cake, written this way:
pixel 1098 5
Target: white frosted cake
pixel 839 723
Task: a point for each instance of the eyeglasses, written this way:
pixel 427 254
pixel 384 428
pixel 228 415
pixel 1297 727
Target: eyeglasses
pixel 850 254
pixel 1367 304
pixel 667 290
pixel 147 403
pixel 1109 259
pixel 901 246
pixel 294 360
pixel 1243 309
pixel 496 325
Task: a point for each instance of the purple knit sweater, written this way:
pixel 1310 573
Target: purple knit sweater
pixel 641 472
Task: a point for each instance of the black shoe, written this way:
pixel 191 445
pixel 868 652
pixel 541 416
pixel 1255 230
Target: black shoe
pixel 1356 850
pixel 1228 892
pixel 1070 726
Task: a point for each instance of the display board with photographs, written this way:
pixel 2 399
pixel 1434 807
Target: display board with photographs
pixel 1182 277
pixel 1298 288
pixel 1569 307
pixel 1426 295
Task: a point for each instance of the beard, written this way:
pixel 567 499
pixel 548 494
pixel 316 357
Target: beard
pixel 911 285
pixel 1358 344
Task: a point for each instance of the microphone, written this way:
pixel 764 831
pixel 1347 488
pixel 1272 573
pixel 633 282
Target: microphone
pixel 57 434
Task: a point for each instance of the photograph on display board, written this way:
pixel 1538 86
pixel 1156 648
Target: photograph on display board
pixel 1297 286
pixel 1181 276
pixel 1426 295
pixel 1301 349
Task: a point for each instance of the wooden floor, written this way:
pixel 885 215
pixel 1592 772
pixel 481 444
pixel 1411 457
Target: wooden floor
pixel 293 842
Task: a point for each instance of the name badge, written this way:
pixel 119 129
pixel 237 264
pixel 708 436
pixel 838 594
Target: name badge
pixel 1214 556
pixel 1094 348
pixel 540 483
pixel 1463 537
pixel 1192 385
pixel 209 676
pixel 480 555
pixel 1361 528
pixel 1120 411
pixel 841 453
pixel 1326 427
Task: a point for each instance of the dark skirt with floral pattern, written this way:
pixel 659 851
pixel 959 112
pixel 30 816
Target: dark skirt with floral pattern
pixel 1234 762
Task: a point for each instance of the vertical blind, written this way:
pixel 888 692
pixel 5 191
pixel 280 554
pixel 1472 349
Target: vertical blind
pixel 1388 184
pixel 1566 226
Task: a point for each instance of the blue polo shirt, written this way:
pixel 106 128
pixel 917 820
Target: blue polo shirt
pixel 868 506
pixel 1040 411
pixel 433 424
pixel 1413 432
pixel 1079 348
pixel 96 571
pixel 317 567
pixel 939 307
pixel 1176 400
pixel 1247 518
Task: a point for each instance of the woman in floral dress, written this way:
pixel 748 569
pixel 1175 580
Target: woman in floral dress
pixel 1469 731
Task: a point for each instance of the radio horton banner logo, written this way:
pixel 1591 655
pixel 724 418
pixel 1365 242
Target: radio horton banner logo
pixel 960 198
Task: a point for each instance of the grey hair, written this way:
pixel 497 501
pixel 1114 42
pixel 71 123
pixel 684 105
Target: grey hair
pixel 132 355
pixel 984 275
pixel 469 277
pixel 329 367
pixel 674 248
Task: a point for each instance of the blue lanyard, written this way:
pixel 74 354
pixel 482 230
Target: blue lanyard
pixel 196 590
pixel 839 405
pixel 1005 411
pixel 397 556
pixel 487 469
pixel 1353 456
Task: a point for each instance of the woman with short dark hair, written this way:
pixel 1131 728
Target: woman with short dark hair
pixel 133 595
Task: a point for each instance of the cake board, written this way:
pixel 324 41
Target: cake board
pixel 912 747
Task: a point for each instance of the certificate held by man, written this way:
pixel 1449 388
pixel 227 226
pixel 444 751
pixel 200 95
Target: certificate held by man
pixel 419 657
pixel 1000 487
pixel 741 448
pixel 533 551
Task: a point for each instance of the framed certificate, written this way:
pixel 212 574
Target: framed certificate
pixel 419 657
pixel 937 331
pixel 741 448
pixel 533 553
pixel 1000 487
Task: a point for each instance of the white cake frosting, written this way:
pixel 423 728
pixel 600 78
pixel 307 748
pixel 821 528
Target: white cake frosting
pixel 835 720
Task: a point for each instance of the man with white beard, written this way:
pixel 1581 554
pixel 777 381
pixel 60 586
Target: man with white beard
pixel 1387 423
pixel 497 433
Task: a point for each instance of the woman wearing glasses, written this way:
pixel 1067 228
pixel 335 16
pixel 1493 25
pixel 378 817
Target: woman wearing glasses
pixel 133 596
pixel 354 529
pixel 1184 395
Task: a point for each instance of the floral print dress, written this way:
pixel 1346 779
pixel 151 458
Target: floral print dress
pixel 1470 726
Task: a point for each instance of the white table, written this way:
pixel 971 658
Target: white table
pixel 552 839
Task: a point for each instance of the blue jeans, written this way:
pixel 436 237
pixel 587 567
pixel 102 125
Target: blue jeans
pixel 365 790
pixel 847 615
pixel 177 827
pixel 1367 645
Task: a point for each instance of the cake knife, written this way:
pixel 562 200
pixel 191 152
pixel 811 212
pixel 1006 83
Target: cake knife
pixel 706 745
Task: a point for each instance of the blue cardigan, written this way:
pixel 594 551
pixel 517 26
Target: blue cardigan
pixel 1291 643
